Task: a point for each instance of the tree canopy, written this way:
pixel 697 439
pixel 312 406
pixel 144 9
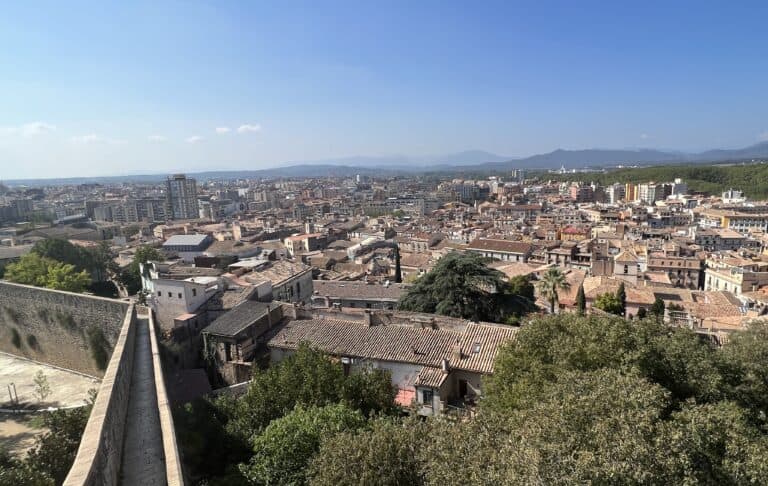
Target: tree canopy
pixel 573 400
pixel 462 285
pixel 32 269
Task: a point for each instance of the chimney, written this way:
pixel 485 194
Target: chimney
pixel 456 353
pixel 367 317
pixel 445 365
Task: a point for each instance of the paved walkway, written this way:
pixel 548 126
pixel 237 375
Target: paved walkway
pixel 142 460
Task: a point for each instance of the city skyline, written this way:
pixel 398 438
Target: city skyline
pixel 148 88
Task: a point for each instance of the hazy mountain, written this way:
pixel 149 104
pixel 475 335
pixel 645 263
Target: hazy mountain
pixel 468 161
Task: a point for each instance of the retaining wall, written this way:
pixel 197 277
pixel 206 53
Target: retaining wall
pixel 73 331
pixel 98 457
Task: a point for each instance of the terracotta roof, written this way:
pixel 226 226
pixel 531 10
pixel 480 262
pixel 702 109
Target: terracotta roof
pixel 431 377
pixel 500 246
pixel 479 343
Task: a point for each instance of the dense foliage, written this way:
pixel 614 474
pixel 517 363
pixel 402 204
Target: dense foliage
pixel 752 179
pixel 49 460
pixel 32 269
pixel 462 285
pixel 216 436
pixel 573 400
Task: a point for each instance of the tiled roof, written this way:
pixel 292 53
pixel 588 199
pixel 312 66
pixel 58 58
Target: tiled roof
pixel 357 290
pixel 239 318
pixel 406 344
pixel 430 377
pixel 500 245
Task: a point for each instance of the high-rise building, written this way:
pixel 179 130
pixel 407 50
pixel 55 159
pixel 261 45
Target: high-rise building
pixel 630 192
pixel 181 197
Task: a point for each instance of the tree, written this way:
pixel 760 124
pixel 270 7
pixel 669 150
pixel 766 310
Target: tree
pixel 32 269
pixel 609 302
pixel 581 301
pixel 63 276
pixel 42 387
pixel 130 277
pixel 657 309
pixel 621 294
pixel 385 454
pixel 551 283
pixel 460 285
pixel 306 378
pixel 398 271
pixel 282 452
pixel 641 313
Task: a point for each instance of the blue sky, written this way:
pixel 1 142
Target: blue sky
pixel 98 89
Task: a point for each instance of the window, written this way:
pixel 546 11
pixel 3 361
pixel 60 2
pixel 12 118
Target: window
pixel 170 294
pixel 476 348
pixel 179 294
pixel 427 396
pixel 194 292
pixel 159 293
pixel 626 269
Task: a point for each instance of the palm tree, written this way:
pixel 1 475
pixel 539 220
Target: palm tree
pixel 552 281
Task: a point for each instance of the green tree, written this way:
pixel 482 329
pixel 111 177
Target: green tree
pixel 657 309
pixel 552 282
pixel 609 302
pixel 621 294
pixel 460 285
pixel 282 452
pixel 63 276
pixel 386 454
pixel 32 269
pixel 42 387
pixel 306 378
pixel 130 277
pixel 581 301
pixel 55 450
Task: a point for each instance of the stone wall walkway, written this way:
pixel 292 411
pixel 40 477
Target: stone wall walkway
pixel 142 459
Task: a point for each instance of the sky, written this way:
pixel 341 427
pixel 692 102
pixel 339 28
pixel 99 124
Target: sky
pixel 115 88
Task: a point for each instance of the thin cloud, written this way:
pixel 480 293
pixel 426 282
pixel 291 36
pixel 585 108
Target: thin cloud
pixel 763 137
pixel 31 129
pixel 156 138
pixel 194 139
pixel 644 136
pixel 249 128
pixel 223 130
pixel 92 138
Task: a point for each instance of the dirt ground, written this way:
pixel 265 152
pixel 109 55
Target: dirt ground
pixel 67 389
pixel 17 433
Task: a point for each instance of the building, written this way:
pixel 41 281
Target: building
pixel 188 246
pixel 304 243
pixel 232 340
pixel 435 363
pixel 356 294
pixel 511 251
pixel 733 273
pixel 181 197
pixel 684 272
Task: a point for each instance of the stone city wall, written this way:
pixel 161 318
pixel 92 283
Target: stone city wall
pixel 73 331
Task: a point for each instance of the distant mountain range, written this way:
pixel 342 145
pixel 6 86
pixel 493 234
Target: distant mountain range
pixel 468 161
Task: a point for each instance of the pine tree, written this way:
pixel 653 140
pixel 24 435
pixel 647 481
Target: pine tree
pixel 398 272
pixel 581 301
pixel 621 294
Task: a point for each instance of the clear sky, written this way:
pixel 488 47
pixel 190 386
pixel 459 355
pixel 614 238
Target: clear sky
pixel 100 89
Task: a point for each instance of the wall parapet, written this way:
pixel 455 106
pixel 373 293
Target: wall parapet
pixel 173 465
pixel 98 457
